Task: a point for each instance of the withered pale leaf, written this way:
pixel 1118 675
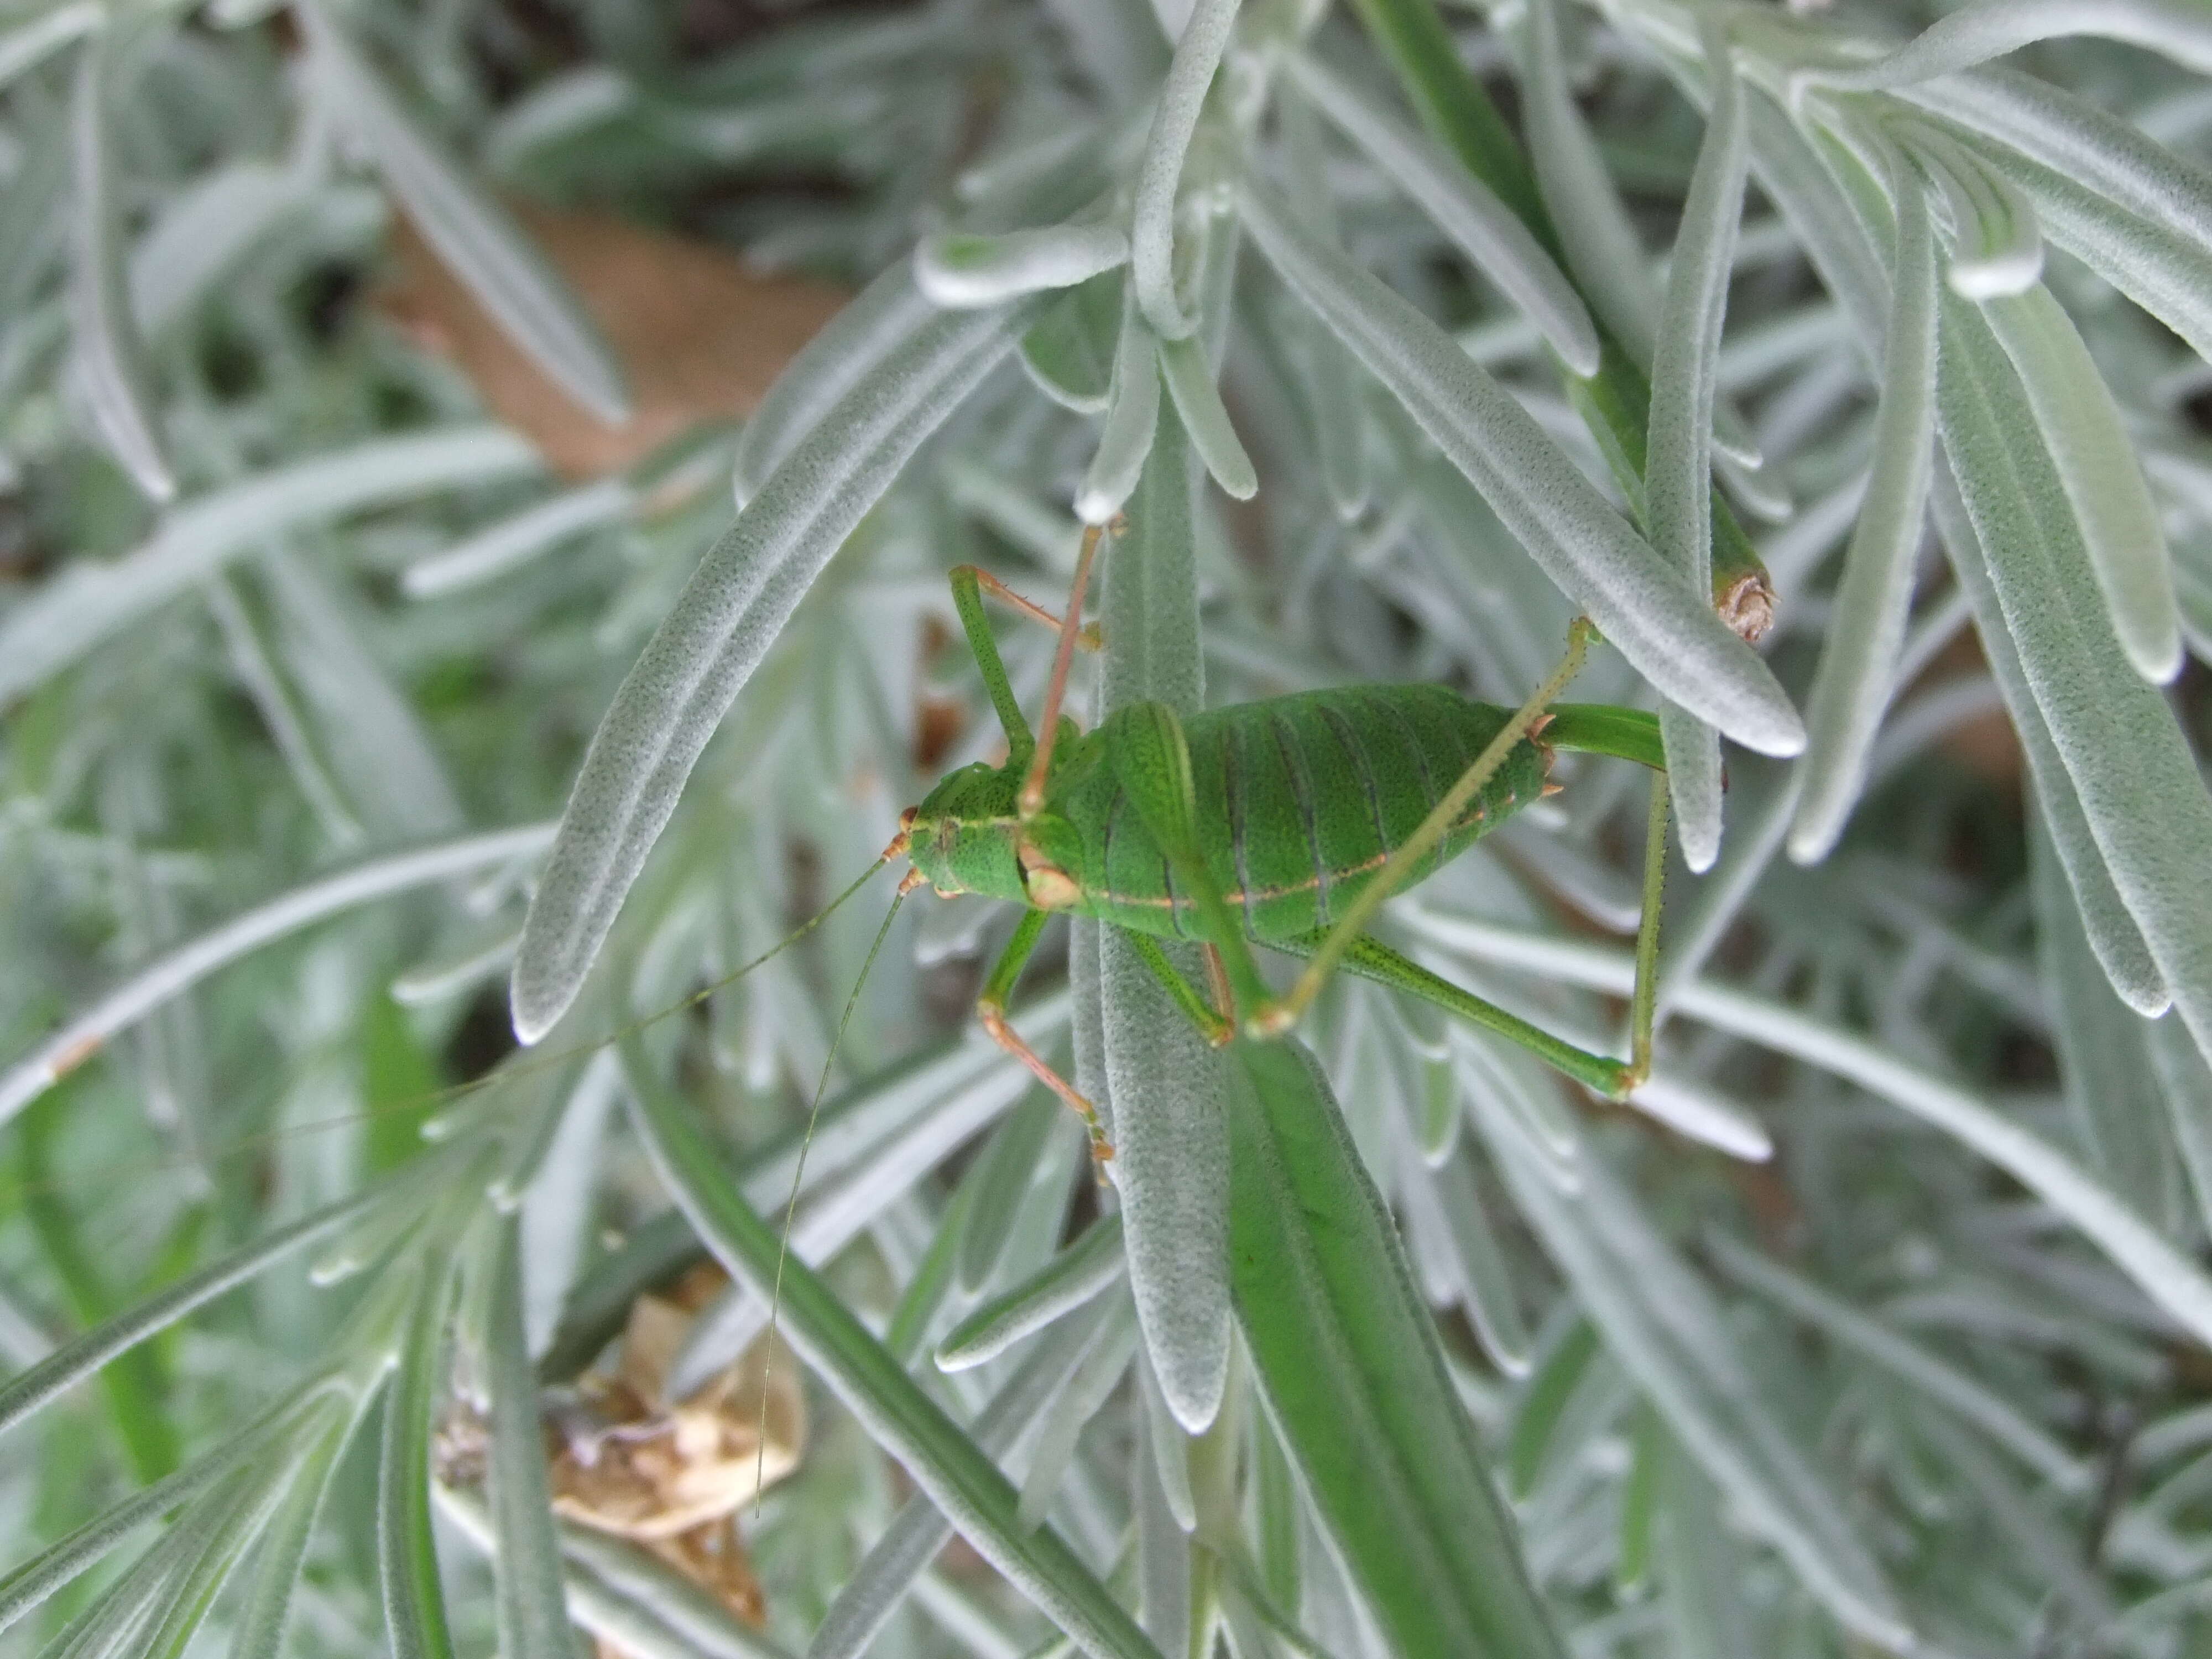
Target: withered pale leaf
pixel 701 336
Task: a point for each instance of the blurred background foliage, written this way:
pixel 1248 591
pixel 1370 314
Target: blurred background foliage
pixel 372 378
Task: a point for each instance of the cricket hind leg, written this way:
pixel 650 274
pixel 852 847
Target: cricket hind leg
pixel 991 1010
pixel 1371 959
pixel 1615 1079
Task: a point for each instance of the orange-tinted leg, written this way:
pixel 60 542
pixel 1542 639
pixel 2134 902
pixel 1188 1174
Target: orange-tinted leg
pixel 1086 637
pixel 991 1009
pixel 1031 800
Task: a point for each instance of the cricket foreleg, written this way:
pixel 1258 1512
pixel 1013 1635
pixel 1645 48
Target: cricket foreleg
pixel 967 600
pixel 991 1010
pixel 1031 801
pixel 1087 637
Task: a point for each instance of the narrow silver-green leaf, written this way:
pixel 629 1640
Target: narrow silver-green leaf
pixel 1587 549
pixel 1339 429
pixel 28 1585
pixel 30 43
pixel 1661 1323
pixel 1678 474
pixel 1351 1368
pixel 476 237
pixel 1162 1548
pixel 1133 413
pixel 1076 1276
pixel 1171 1151
pixel 407 1557
pixel 944 1463
pixel 1699 1564
pixel 1069 353
pixel 919 1531
pixel 160 1580
pixel 1159 174
pixel 90 600
pixel 619 1592
pixel 1008 1157
pixel 2140 788
pixel 537 529
pixel 723 623
pixel 2118 943
pixel 1487 1288
pixel 1471 218
pixel 1996 247
pixel 117 384
pixel 178 970
pixel 532 1604
pixel 1598 238
pixel 2186 1079
pixel 1185 367
pixel 963 268
pixel 1872 1339
pixel 202 234
pixel 1701 1112
pixel 1857 674
pixel 1602 248
pixel 2111 157
pixel 283 1555
pixel 2109 1074
pixel 28 1390
pixel 1985 29
pixel 273 701
pixel 223 1544
pixel 2166 1274
pixel 1557 1376
pixel 1091 1383
pixel 880 322
pixel 376 743
pixel 2162 261
pixel 2096 463
pixel 846 1200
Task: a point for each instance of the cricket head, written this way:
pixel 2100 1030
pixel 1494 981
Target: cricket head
pixel 968 836
pixel 961 837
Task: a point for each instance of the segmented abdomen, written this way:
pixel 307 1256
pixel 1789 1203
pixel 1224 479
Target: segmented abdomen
pixel 1300 799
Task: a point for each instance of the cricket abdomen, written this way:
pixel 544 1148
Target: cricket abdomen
pixel 1300 800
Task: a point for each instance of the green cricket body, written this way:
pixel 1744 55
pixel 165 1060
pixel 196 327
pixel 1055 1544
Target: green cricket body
pixel 1300 800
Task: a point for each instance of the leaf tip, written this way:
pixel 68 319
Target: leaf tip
pixel 536 997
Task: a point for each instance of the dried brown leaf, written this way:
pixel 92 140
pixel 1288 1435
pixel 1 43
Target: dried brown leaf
pixel 700 335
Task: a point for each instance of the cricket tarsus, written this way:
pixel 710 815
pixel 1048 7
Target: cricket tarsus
pixel 1286 823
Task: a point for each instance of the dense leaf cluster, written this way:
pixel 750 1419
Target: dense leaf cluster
pixel 342 743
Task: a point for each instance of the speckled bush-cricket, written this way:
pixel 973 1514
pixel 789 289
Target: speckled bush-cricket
pixel 1284 823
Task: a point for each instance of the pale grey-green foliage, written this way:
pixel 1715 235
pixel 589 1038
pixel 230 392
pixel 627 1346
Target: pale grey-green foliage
pixel 1874 1328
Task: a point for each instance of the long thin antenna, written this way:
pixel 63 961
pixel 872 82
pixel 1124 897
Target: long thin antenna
pixel 798 1174
pixel 522 1063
